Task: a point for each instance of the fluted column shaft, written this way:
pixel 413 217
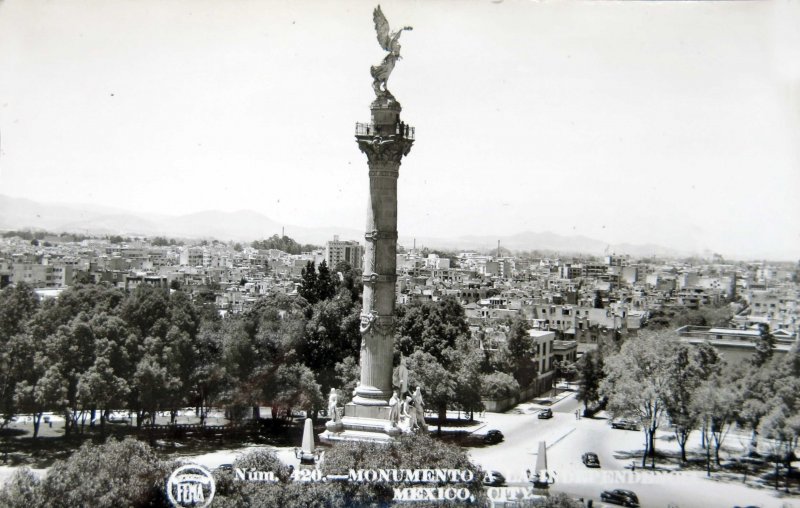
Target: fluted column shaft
pixel 385 143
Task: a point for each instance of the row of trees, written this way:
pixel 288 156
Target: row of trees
pixel 96 349
pixel 282 243
pixel 707 315
pixel 656 379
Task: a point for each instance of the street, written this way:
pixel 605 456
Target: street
pixel 568 438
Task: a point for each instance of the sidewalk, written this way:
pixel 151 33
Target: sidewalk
pixel 552 401
pixel 484 419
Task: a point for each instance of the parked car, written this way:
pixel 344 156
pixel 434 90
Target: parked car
pixel 494 479
pixel 545 413
pixel 620 496
pixel 493 436
pixel 624 424
pixel 117 417
pixel 590 459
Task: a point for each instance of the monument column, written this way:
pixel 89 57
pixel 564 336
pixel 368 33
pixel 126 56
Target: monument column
pixel 385 141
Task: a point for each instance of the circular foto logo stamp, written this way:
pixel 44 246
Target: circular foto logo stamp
pixel 191 486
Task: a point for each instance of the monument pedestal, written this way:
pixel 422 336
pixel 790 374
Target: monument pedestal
pixel 363 423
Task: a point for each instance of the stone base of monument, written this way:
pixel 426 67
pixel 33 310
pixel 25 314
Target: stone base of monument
pixel 364 423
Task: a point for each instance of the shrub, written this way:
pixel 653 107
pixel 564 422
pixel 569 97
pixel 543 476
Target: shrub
pixel 117 473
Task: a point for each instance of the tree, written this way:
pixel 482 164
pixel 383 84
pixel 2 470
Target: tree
pixel 707 315
pixel 232 493
pixel 348 375
pixel 756 398
pixel 208 373
pixel 256 344
pixel 683 379
pixel 71 351
pixel 469 379
pixel 782 428
pixel 117 473
pixel 430 326
pixel 18 304
pixel 637 383
pixel 282 243
pixel 22 490
pixel 521 348
pixel 317 283
pixel 326 286
pixel 309 288
pixel 147 310
pixel 294 385
pixel 155 387
pixel 438 382
pixel 331 335
pixel 453 379
pixel 89 300
pixel 781 423
pixel 432 335
pixel 764 346
pixel 99 387
pixel 565 369
pixel 350 282
pixel 707 360
pixel 715 404
pixel 498 385
pixel 40 391
pixel 240 357
pixel 590 372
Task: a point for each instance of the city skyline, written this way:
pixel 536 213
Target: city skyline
pixel 673 124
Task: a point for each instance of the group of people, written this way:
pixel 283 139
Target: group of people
pixel 402 128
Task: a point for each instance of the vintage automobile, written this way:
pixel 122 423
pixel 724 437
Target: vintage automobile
pixel 494 479
pixel 624 424
pixel 590 459
pixel 620 496
pixel 493 436
pixel 545 414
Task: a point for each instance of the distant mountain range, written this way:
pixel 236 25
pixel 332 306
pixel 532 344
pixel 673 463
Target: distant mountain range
pixel 247 225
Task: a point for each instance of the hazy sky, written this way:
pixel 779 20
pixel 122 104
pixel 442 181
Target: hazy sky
pixel 676 123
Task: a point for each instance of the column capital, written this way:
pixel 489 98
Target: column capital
pixel 391 148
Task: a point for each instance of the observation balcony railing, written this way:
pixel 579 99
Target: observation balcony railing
pixel 369 129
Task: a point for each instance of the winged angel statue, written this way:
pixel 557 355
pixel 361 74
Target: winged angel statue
pixel 388 41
